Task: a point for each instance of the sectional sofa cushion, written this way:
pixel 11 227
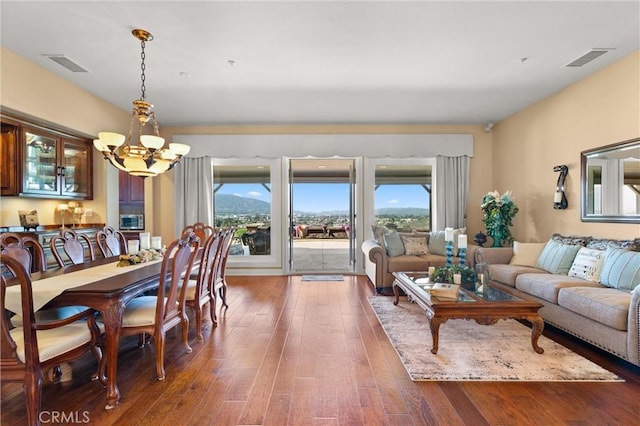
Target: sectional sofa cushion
pixel 526 254
pixel 621 269
pixel 557 257
pixel 506 274
pixel 608 306
pixel 547 286
pixel 588 264
pixel 393 244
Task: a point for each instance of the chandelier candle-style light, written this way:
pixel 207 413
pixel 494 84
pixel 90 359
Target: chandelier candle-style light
pixel 147 156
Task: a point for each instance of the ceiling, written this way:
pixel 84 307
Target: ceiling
pixel 338 62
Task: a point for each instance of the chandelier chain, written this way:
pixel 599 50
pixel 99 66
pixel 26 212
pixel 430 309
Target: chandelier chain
pixel 142 67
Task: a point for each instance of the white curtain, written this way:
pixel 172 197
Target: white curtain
pixel 193 192
pixel 452 180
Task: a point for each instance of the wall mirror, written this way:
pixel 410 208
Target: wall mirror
pixel 610 179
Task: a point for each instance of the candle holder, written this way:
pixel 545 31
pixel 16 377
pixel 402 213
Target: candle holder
pixel 449 252
pixel 462 254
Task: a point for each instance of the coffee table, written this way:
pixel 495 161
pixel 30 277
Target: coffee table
pixel 485 306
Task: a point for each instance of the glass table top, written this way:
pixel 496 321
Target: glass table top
pixel 468 290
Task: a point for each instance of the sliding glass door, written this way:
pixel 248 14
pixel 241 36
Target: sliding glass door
pixel 321 216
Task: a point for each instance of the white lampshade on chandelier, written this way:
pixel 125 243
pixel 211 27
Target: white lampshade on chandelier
pixel 147 157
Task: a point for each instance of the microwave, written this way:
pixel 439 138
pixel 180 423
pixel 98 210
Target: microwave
pixel 131 222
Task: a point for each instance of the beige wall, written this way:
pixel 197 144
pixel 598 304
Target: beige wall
pixel 601 109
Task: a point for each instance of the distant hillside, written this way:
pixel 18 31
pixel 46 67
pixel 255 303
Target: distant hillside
pixel 402 211
pixel 227 204
pixel 234 204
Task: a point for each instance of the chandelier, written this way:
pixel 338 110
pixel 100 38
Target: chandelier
pixel 147 157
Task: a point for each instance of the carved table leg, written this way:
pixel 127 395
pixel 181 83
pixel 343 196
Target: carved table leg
pixel 434 325
pixel 537 325
pixel 112 322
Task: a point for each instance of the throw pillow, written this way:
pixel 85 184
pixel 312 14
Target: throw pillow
pixel 393 244
pixel 621 269
pixel 526 254
pixel 556 257
pixel 588 264
pixel 603 244
pixel 414 245
pixel 571 240
pixel 437 243
pixel 378 232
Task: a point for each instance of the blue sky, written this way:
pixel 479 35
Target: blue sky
pixel 318 197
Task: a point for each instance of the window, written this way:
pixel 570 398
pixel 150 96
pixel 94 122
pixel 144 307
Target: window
pixel 242 199
pixel 402 198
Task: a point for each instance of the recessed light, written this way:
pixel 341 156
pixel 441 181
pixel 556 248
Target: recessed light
pixel 184 74
pixel 231 62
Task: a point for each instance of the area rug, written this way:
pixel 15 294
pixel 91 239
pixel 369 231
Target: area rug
pixel 468 351
pixel 322 278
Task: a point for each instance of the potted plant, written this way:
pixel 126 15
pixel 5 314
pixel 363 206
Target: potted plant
pixel 498 212
pixel 445 274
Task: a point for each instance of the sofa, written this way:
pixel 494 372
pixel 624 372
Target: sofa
pixel 589 287
pixel 390 250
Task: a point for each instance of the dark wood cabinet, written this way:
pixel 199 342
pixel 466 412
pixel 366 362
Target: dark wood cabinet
pixel 8 159
pixel 41 160
pixel 131 189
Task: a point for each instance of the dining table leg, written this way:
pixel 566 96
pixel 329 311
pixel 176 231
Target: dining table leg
pixel 112 318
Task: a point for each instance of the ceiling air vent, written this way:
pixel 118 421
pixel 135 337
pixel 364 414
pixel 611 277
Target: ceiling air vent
pixel 66 62
pixel 588 57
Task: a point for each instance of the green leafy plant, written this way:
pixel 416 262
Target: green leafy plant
pixel 498 212
pixel 445 274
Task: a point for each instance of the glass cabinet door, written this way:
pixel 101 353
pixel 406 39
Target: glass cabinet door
pixel 41 166
pixel 76 168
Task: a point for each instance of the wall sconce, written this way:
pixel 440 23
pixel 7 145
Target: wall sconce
pixel 559 197
pixel 63 208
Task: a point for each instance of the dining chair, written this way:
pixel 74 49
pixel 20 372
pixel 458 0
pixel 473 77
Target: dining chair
pixel 71 245
pixel 111 242
pixel 219 283
pixel 201 230
pixel 198 294
pixel 24 248
pixel 155 315
pixel 29 351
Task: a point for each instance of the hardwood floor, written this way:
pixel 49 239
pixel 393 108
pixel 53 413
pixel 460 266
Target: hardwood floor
pixel 313 353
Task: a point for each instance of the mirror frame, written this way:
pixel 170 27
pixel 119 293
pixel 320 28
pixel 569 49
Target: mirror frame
pixel 584 155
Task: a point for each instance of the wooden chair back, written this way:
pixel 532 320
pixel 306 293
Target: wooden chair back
pixel 218 283
pixel 111 242
pixel 201 230
pixel 169 302
pixel 22 358
pixel 199 293
pixel 70 243
pixel 24 248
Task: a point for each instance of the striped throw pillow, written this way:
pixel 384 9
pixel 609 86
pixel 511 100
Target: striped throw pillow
pixel 557 258
pixel 621 269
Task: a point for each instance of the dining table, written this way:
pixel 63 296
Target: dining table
pixel 100 284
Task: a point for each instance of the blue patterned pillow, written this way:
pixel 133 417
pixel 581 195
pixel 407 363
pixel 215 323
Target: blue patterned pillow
pixel 557 258
pixel 393 244
pixel 621 269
